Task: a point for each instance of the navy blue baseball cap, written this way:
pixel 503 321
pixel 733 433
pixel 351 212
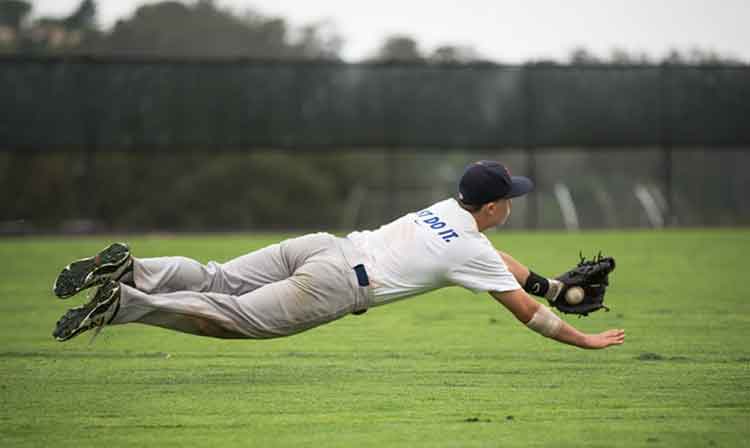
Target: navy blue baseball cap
pixel 487 181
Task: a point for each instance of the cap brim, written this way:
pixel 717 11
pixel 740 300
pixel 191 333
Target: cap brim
pixel 520 186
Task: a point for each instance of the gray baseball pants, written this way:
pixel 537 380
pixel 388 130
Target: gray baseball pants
pixel 276 291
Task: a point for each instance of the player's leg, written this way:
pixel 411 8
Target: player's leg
pixel 178 313
pixel 166 274
pixel 317 294
pixel 323 289
pixel 169 274
pixel 235 277
pixel 274 310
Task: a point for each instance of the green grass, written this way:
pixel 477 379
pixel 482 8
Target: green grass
pixel 447 369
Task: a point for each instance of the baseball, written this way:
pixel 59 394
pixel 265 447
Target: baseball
pixel 574 295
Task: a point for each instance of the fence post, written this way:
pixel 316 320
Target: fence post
pixel 391 191
pixel 87 194
pixel 532 218
pixel 666 129
pixel 532 213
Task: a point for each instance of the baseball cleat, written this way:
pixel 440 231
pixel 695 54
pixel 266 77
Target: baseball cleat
pixel 97 313
pixel 109 264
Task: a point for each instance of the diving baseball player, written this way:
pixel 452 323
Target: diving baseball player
pixel 300 283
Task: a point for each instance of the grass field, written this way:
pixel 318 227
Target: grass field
pixel 447 369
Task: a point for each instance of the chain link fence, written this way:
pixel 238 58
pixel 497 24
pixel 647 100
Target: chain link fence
pixel 140 145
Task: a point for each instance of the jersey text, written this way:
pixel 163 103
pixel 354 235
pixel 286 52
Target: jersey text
pixel 429 218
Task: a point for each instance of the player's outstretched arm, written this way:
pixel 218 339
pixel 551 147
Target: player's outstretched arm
pixel 540 319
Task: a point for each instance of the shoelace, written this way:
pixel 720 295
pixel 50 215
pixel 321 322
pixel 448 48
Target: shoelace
pixel 96 333
pixel 98 328
pixel 106 320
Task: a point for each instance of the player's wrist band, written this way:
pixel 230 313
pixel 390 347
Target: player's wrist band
pixel 536 284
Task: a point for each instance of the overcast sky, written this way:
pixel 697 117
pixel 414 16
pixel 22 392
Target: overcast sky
pixel 501 30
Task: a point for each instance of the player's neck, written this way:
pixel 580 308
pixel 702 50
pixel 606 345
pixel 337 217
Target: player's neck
pixel 481 221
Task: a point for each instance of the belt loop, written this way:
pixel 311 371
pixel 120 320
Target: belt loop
pixel 351 256
pixel 362 277
pixel 364 282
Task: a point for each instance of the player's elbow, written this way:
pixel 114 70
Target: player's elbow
pixel 527 312
pixel 519 303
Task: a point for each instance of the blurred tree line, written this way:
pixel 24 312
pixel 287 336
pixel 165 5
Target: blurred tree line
pixel 229 190
pixel 201 29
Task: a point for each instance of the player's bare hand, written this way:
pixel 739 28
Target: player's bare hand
pixel 605 339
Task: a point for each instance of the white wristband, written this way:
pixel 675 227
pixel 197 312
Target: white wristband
pixel 545 322
pixel 555 286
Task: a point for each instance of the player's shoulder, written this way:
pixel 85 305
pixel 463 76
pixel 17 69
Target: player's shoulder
pixel 454 225
pixel 449 211
pixel 447 221
pixel 448 205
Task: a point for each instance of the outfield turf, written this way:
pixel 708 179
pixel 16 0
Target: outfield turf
pixel 447 369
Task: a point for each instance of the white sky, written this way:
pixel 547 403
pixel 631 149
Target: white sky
pixel 508 31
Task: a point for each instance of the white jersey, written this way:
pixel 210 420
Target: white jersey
pixel 435 247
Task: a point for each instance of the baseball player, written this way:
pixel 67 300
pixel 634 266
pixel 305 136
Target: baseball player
pixel 303 282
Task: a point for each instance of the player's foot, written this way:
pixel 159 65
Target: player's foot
pixel 109 264
pixel 97 313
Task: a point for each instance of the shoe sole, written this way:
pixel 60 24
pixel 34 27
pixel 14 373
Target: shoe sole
pixel 78 320
pixel 110 263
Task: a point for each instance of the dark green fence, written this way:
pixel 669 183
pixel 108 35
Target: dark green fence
pixel 71 103
pixel 204 145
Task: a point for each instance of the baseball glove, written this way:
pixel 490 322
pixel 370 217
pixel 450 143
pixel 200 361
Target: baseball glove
pixel 593 277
